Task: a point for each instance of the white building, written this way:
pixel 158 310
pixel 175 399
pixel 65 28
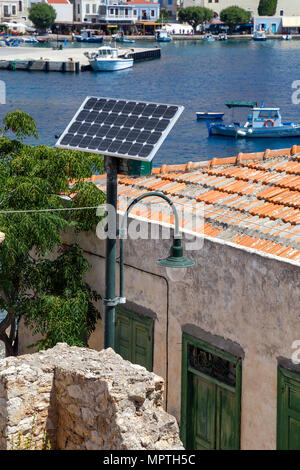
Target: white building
pixel 115 11
pixel 13 11
pixel 284 7
pixel 64 10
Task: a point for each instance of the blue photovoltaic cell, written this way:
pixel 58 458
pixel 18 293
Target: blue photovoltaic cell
pixel 119 127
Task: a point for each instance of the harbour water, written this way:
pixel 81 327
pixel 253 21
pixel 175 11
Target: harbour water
pixel 200 76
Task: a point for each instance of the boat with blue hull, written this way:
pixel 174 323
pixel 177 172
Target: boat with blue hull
pixel 107 60
pixel 88 35
pixel 120 37
pixel 259 36
pixel 262 123
pixel 204 115
pixel 161 35
pixel 208 37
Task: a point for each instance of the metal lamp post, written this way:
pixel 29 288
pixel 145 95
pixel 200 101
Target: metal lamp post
pixel 174 260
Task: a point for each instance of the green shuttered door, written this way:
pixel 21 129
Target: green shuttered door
pixel 134 337
pixel 211 386
pixel 288 418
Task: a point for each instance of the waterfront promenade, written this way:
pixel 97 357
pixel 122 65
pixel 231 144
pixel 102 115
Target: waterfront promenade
pixel 176 37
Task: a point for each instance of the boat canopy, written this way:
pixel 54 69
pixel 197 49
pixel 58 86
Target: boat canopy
pixel 241 104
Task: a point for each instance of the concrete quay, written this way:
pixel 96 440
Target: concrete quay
pixel 65 60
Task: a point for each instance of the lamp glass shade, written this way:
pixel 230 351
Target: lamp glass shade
pixel 176 258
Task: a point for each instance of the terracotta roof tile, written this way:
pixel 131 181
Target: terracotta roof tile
pixel 252 200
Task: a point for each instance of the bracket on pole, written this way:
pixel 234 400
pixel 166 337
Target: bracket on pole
pixel 114 302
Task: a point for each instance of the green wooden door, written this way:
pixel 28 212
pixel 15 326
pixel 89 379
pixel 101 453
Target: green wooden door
pixel 134 337
pixel 288 418
pixel 211 385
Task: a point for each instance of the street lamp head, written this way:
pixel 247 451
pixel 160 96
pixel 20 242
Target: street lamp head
pixel 176 258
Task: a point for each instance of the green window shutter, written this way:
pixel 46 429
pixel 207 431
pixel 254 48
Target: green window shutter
pixel 288 410
pixel 202 413
pixel 134 337
pixel 211 409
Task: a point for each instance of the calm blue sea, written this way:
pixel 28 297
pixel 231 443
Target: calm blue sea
pixel 199 76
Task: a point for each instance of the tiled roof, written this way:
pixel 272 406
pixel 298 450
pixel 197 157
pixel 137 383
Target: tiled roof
pixel 141 2
pixel 62 2
pixel 252 200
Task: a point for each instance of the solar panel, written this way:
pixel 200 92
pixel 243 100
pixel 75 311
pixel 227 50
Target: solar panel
pixel 120 128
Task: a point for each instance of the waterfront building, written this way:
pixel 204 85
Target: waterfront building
pixel 115 12
pixel 284 7
pixel 277 24
pixel 64 10
pixel 13 11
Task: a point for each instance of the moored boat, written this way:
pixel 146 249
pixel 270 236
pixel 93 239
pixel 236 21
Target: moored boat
pixel 287 37
pixel 161 35
pixel 262 123
pixel 259 36
pixel 30 40
pixel 222 37
pixel 205 115
pixel 208 37
pixel 119 37
pixel 107 60
pixel 88 35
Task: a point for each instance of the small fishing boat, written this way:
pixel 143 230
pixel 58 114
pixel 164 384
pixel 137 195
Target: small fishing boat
pixel 107 60
pixel 30 40
pixel 222 37
pixel 88 35
pixel 208 37
pixel 259 36
pixel 287 37
pixel 263 122
pixel 161 35
pixel 119 37
pixel 13 42
pixel 204 115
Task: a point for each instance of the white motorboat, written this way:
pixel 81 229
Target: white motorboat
pixel 287 37
pixel 259 36
pixel 107 60
pixel 162 35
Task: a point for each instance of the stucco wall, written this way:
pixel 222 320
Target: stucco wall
pixel 233 294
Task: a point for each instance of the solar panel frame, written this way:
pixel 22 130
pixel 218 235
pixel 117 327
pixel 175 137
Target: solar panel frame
pixel 144 151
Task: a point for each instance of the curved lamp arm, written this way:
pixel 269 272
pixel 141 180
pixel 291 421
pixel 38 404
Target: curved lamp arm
pixel 123 229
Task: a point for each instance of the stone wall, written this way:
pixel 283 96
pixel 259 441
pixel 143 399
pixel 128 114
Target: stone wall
pixel 83 399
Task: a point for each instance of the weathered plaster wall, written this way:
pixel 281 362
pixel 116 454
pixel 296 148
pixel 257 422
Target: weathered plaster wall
pixel 84 400
pixel 232 293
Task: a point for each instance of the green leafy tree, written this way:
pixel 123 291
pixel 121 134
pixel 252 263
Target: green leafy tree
pixel 232 16
pixel 48 292
pixel 42 15
pixel 267 7
pixel 164 15
pixel 195 16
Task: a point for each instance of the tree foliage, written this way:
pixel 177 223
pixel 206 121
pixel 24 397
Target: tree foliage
pixel 195 16
pixel 232 16
pixel 267 7
pixel 48 293
pixel 164 15
pixel 42 15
